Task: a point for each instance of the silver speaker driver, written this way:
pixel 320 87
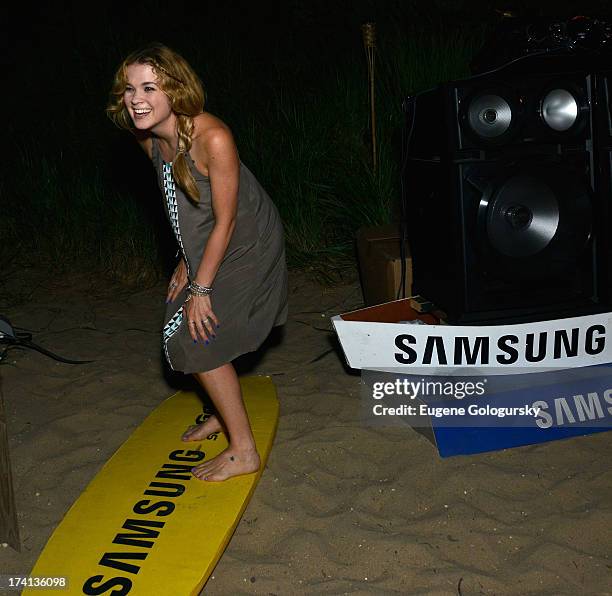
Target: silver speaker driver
pixel 560 110
pixel 523 217
pixel 489 116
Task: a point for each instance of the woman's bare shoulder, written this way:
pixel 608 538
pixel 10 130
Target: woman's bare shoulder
pixel 210 129
pixel 212 139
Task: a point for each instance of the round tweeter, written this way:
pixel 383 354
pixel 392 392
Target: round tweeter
pixel 560 109
pixel 489 116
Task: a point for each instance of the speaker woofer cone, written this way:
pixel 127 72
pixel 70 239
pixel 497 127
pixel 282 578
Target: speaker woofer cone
pixel 489 116
pixel 534 223
pixel 560 110
pixel 523 217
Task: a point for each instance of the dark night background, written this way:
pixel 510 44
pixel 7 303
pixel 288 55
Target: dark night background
pixel 289 78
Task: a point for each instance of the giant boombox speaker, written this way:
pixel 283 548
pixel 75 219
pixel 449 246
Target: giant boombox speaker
pixel 508 191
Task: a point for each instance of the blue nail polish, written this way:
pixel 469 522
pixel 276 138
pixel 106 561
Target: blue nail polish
pixel 195 341
pixel 207 342
pixel 217 326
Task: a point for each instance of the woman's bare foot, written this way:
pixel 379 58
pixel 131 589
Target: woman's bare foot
pixel 227 464
pixel 197 432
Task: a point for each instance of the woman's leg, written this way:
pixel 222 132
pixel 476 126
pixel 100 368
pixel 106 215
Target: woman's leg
pixel 223 388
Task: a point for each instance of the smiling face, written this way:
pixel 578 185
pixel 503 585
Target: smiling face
pixel 148 106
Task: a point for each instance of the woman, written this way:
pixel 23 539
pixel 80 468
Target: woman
pixel 230 286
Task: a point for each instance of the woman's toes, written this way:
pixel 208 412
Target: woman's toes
pixel 185 436
pixel 197 432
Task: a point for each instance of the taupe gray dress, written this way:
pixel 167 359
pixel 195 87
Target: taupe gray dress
pixel 250 289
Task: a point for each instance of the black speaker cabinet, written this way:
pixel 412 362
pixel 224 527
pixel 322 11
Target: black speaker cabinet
pixel 507 182
pixel 602 150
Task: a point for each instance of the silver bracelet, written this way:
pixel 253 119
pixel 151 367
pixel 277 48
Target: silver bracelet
pixel 198 290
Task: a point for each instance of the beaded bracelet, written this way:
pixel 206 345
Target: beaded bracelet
pixel 198 290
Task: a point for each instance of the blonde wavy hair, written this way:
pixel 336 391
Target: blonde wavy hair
pixel 185 91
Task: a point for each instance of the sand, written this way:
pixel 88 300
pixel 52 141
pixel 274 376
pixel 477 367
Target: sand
pixel 342 508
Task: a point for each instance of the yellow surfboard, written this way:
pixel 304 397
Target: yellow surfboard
pixel 145 526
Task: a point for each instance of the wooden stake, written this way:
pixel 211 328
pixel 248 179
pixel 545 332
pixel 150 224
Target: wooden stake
pixel 9 527
pixel 369 42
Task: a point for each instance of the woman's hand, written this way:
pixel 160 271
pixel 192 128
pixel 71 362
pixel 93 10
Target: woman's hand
pixel 177 282
pixel 201 319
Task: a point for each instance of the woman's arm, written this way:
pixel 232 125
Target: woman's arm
pixel 216 149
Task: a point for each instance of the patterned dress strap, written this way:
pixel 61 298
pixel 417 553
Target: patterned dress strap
pixel 170 193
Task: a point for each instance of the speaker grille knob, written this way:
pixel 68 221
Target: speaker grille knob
pixel 519 216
